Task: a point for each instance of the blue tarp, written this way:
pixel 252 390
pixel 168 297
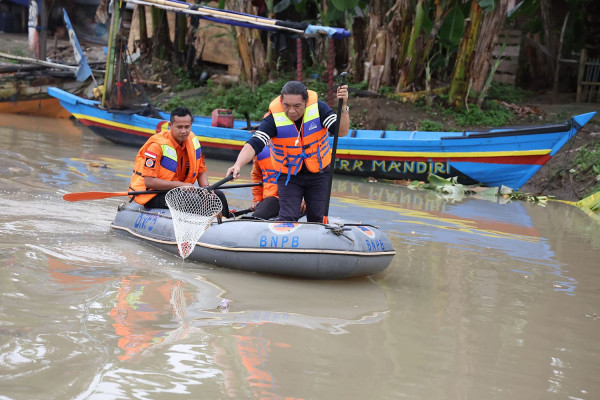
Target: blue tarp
pixel 84 70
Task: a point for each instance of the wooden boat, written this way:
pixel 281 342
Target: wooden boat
pixel 300 249
pixel 26 92
pixel 503 156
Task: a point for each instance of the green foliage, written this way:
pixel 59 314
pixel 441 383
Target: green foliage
pixel 343 5
pixel 430 126
pixel 486 5
pixel 588 162
pixel 185 82
pixel 362 85
pixel 391 127
pixel 508 93
pixel 494 115
pixel 386 90
pixel 453 27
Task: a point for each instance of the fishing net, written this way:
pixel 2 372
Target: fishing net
pixel 192 210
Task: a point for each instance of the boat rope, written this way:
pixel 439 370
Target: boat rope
pixel 339 231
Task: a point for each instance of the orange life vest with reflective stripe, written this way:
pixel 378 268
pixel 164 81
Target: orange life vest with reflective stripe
pixel 167 168
pixel 291 148
pixel 269 174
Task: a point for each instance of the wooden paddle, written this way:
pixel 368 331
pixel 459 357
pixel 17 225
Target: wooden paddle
pixel 80 196
pixel 333 151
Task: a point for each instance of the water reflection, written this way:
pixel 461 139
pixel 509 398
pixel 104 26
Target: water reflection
pixel 171 314
pixel 473 305
pixel 485 226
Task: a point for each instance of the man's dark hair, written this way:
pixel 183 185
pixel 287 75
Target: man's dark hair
pixel 295 87
pixel 181 112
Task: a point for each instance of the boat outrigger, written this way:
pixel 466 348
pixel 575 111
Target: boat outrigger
pixel 300 249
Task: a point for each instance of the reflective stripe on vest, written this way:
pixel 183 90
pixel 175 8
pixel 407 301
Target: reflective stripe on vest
pixel 269 174
pixel 169 158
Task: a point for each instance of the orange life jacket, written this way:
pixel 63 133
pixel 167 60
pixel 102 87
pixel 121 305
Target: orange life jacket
pixel 269 175
pixel 168 163
pixel 291 148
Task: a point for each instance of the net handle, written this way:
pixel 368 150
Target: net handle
pixel 221 182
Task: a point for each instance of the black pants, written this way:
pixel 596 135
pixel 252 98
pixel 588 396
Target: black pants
pixel 268 208
pixel 159 201
pixel 313 187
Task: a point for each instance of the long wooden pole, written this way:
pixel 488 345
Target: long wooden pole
pixel 188 9
pixel 333 151
pixel 110 59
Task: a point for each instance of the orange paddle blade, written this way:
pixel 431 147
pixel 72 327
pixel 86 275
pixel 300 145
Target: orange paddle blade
pixel 92 195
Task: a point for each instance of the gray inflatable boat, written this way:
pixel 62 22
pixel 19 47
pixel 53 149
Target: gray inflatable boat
pixel 307 250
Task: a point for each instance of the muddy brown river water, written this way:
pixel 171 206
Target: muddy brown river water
pixel 484 299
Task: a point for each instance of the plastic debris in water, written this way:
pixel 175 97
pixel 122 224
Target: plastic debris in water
pixel 223 305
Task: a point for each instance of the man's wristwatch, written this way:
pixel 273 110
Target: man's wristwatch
pixel 346 110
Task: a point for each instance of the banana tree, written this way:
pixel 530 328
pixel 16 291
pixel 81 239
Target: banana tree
pixel 463 68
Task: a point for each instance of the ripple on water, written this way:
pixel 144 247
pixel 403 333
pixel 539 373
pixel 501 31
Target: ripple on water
pixel 14 165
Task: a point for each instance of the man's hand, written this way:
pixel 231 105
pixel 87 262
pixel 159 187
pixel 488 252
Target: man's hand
pixel 342 94
pixel 235 171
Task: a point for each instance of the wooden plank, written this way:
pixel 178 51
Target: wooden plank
pixel 509 51
pixel 508 66
pixel 509 40
pixel 504 78
pixel 510 32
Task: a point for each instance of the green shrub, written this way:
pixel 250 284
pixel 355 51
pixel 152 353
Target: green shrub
pixel 508 93
pixel 430 126
pixel 588 162
pixel 494 116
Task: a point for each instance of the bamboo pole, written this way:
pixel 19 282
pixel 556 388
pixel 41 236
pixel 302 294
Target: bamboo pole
pixel 560 46
pixel 185 7
pixel 110 59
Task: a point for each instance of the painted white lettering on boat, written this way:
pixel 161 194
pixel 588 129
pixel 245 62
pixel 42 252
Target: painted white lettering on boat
pixel 399 167
pixel 279 241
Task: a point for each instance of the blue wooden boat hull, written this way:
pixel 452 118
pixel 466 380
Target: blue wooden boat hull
pixel 299 249
pixel 509 156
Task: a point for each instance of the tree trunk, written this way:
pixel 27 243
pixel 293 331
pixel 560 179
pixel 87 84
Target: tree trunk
pixel 482 61
pixel 161 40
pixel 374 33
pixel 250 46
pixel 461 77
pixel 180 45
pixel 382 54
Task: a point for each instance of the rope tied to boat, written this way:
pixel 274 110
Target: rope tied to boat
pixel 339 231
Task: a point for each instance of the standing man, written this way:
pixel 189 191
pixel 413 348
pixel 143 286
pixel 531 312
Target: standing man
pixel 298 125
pixel 168 160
